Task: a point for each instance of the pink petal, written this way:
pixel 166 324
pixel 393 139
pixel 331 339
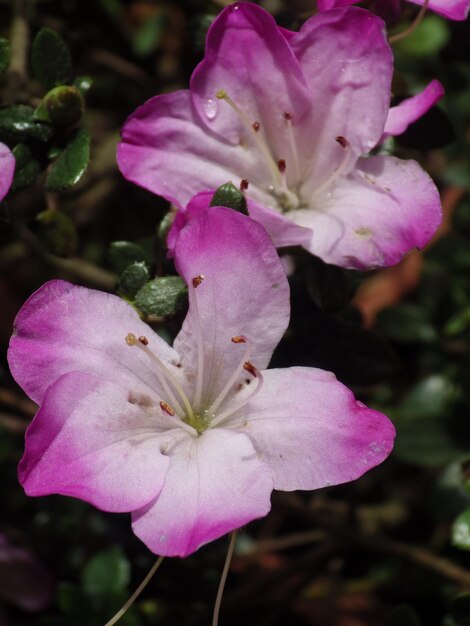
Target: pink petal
pixel 92 441
pixel 7 170
pixel 215 484
pixel 326 5
pixel 452 9
pixel 282 230
pixel 311 432
pixel 244 291
pixel 411 109
pixel 249 57
pixel 63 328
pixel 347 62
pixel 384 209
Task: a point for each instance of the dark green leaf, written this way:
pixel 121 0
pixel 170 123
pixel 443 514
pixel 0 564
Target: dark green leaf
pixel 228 195
pixel 4 54
pixel 403 616
pixel 107 572
pixel 461 531
pixel 431 397
pixel 162 296
pixel 121 254
pixel 27 166
pixel 50 59
pixel 133 279
pixel 58 233
pixel 71 164
pixel 17 123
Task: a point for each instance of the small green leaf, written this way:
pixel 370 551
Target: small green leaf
pixel 162 296
pixel 27 166
pixel 121 254
pixel 4 54
pixel 71 164
pixel 228 195
pixel 107 572
pixel 403 615
pixel 133 279
pixel 461 531
pixel 17 123
pixel 58 233
pixel 50 59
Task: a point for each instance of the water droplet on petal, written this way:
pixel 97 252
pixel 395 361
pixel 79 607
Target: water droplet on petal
pixel 211 107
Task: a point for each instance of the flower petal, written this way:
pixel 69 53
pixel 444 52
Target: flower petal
pixel 411 109
pixel 90 440
pixel 347 62
pixel 249 58
pixel 452 9
pixel 311 432
pixel 244 291
pixel 166 149
pixel 382 210
pixel 215 484
pixel 326 5
pixel 282 230
pixel 64 328
pixel 7 169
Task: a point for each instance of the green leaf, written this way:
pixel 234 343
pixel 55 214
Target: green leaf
pixel 430 397
pixel 133 279
pixel 71 164
pixel 58 233
pixel 107 572
pixel 403 615
pixel 121 254
pixel 150 33
pixel 228 195
pixel 162 296
pixel 17 123
pixel 4 54
pixel 461 531
pixel 27 166
pixel 50 59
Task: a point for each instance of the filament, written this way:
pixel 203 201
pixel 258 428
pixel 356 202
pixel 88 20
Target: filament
pixel 223 578
pixel 232 380
pixel 342 167
pixel 200 346
pixel 233 409
pixel 293 146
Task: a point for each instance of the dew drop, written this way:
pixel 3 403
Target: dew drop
pixel 210 107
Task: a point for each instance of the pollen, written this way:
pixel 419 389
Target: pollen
pixel 249 367
pixel 281 164
pixel 287 116
pixel 166 408
pixel 244 184
pixel 239 339
pixel 143 340
pixel 131 339
pixel 221 94
pixel 197 280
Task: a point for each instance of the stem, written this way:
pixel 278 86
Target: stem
pixel 136 593
pixel 413 26
pixel 223 578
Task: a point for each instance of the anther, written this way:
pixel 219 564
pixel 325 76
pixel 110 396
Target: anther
pixel 166 408
pixel 343 142
pixel 287 116
pixel 281 164
pixel 197 280
pixel 244 184
pixel 249 367
pixel 221 94
pixel 239 339
pixel 256 126
pixel 131 339
pixel 143 340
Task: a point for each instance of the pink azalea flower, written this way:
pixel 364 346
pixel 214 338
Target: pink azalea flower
pixel 7 169
pixel 190 439
pixel 452 9
pixel 292 113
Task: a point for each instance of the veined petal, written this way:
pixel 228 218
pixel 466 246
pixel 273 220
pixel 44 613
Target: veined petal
pixel 64 328
pixel 244 291
pixel 382 210
pixel 347 62
pixel 166 149
pixel 411 109
pixel 282 230
pixel 311 432
pixel 249 58
pixel 92 441
pixel 7 169
pixel 215 484
pixel 452 9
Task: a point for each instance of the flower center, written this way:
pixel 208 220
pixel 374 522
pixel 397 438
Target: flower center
pixel 199 421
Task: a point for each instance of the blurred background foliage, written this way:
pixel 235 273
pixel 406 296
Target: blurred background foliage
pixel 391 548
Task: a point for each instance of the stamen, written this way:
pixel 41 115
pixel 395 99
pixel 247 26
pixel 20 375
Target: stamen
pixel 234 377
pixel 244 184
pixel 252 129
pixel 196 281
pixel 230 411
pixel 163 374
pixel 342 167
pixel 249 367
pixel 166 408
pixel 293 146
